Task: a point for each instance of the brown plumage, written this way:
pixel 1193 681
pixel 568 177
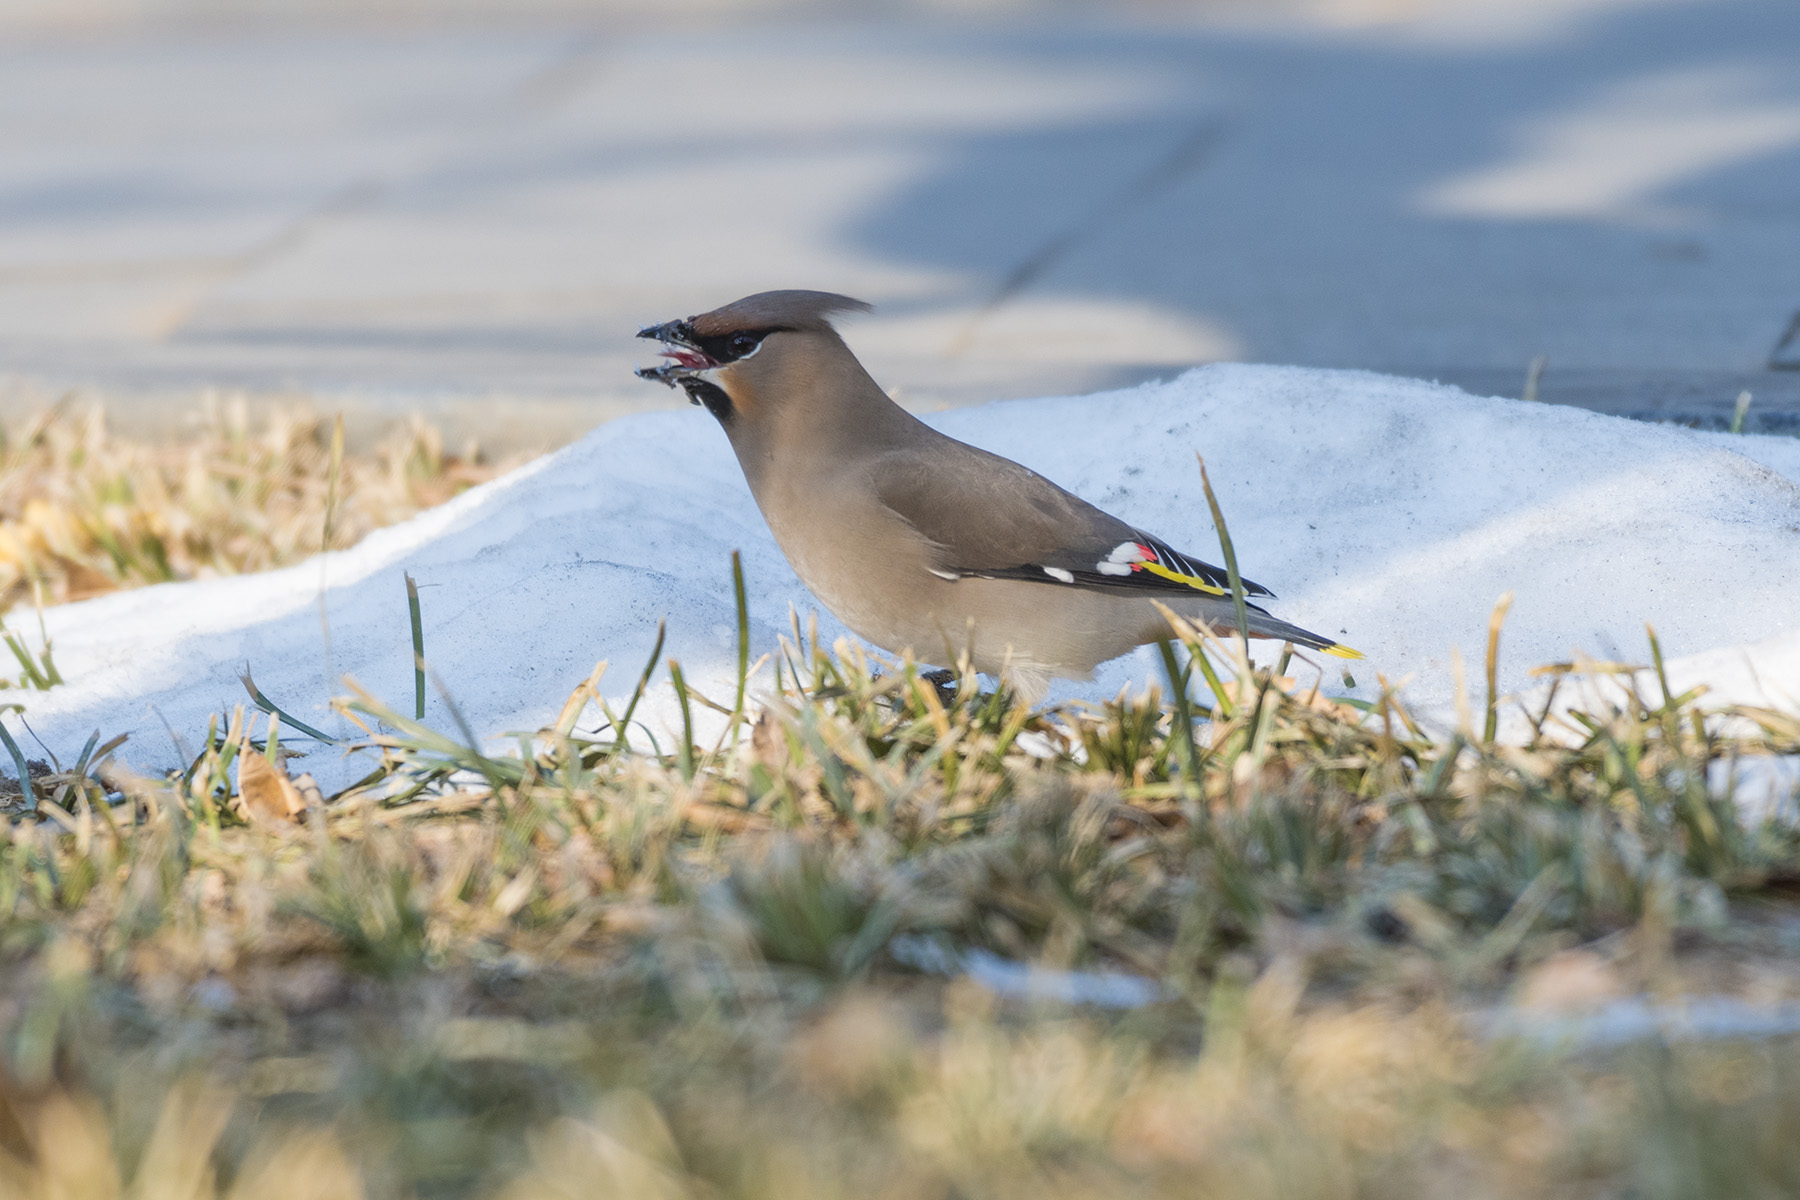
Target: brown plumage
pixel 916 541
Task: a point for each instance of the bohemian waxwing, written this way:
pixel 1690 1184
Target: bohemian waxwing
pixel 916 541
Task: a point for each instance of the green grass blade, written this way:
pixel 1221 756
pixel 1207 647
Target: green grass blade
pixel 1222 701
pixel 1441 770
pixel 1656 656
pixel 50 671
pixel 81 763
pixel 418 643
pixel 33 676
pixel 637 694
pixel 743 632
pixel 1184 714
pixel 194 760
pixel 1231 568
pixel 53 676
pixel 24 769
pixel 685 754
pixel 422 739
pixel 270 707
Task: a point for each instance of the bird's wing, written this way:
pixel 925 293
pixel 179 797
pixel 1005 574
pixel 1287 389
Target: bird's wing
pixel 994 519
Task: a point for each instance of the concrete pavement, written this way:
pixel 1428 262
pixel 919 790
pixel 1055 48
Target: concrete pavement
pixel 472 215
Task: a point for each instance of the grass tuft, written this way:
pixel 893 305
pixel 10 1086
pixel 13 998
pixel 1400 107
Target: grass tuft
pixel 815 958
pixel 480 970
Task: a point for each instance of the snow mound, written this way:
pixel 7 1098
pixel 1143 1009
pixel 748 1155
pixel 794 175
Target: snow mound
pixel 1388 512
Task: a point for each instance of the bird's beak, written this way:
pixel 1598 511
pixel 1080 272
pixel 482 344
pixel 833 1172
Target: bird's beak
pixel 679 345
pixel 677 332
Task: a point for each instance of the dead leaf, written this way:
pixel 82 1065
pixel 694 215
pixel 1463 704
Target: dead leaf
pixel 268 794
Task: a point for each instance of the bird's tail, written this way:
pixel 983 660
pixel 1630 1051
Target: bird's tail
pixel 1221 617
pixel 1262 625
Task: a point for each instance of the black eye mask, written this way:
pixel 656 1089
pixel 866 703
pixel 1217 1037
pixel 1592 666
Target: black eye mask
pixel 726 348
pixel 691 355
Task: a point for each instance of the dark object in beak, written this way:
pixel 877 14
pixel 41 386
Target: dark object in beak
pixel 676 333
pixel 688 361
pixel 680 344
pixel 669 373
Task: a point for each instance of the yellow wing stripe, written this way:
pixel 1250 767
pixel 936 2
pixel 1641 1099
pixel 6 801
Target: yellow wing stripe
pixel 1193 581
pixel 1336 649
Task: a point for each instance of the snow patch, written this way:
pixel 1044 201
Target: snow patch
pixel 1390 513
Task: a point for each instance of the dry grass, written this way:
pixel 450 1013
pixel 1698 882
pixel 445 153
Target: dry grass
pixel 580 970
pixel 83 512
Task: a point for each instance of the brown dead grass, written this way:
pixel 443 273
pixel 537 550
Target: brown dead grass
pixel 84 512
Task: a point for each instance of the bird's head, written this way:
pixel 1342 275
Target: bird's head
pixel 734 358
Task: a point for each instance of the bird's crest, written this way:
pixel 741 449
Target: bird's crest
pixel 793 308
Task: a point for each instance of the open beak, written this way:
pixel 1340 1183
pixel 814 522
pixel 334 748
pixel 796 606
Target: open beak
pixel 687 359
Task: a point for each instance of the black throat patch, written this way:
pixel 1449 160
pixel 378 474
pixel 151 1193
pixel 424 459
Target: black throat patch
pixel 708 395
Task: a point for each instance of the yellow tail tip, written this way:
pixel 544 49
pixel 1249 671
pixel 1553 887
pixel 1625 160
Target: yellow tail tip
pixel 1339 650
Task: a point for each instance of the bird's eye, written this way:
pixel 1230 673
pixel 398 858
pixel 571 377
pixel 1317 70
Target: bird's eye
pixel 743 343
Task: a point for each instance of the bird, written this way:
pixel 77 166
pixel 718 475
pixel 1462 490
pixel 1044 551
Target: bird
pixel 919 543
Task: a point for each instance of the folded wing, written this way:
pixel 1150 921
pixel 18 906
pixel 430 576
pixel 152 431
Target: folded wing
pixel 994 519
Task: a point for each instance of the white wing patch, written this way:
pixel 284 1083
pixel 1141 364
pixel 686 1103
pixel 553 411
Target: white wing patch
pixel 1120 560
pixel 1058 573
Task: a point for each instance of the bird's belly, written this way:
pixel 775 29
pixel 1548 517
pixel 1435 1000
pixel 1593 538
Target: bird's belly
pixel 881 586
pixel 1004 626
